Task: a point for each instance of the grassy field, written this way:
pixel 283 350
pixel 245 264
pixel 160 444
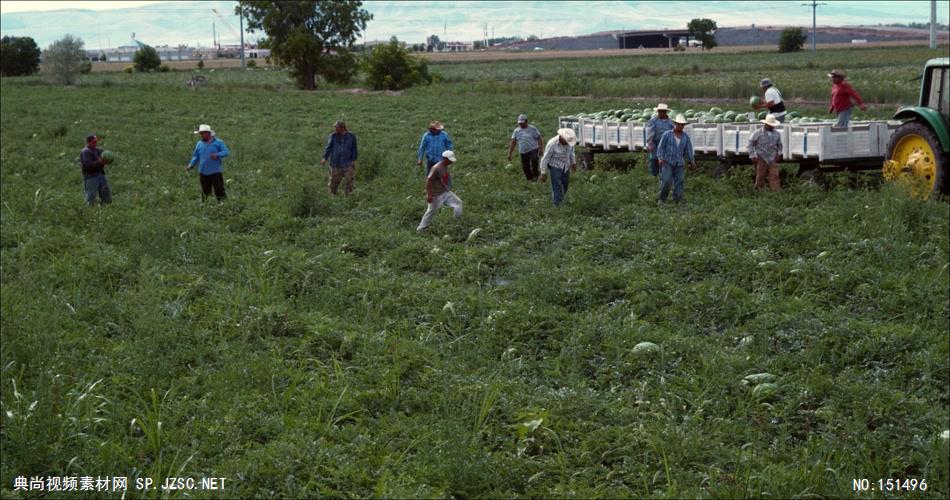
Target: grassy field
pixel 304 345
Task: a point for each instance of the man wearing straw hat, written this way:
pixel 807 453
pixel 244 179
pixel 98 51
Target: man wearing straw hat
pixel 207 155
pixel 842 93
pixel 674 146
pixel 765 149
pixel 437 191
pixel 434 142
pixel 560 162
pixel 656 127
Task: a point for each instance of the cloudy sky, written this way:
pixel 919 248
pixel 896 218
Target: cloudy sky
pixel 108 24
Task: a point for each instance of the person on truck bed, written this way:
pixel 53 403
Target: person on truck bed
pixel 842 94
pixel 772 100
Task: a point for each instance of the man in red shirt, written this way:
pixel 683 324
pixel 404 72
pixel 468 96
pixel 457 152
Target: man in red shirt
pixel 841 95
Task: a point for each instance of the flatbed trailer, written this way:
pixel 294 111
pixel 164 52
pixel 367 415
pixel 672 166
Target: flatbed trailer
pixel 860 146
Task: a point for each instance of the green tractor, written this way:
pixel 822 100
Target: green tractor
pixel 918 152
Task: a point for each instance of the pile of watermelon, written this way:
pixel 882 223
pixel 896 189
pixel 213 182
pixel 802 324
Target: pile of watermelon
pixel 715 114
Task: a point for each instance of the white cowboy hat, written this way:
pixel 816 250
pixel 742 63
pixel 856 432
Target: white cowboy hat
pixel 568 135
pixel 661 107
pixel 449 155
pixel 680 119
pixel 203 128
pixel 436 124
pixel 771 121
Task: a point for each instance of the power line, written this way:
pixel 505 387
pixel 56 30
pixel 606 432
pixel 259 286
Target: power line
pixel 814 29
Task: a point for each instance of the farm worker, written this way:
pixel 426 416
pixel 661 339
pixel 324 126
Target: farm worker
pixel 674 146
pixel 528 139
pixel 559 160
pixel 434 142
pixel 437 191
pixel 207 155
pixel 765 149
pixel 842 94
pixel 772 100
pixel 341 150
pixel 656 127
pixel 94 172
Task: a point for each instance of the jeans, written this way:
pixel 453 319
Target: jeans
pixel 559 183
pixel 215 181
pixel 338 174
pixel 843 118
pixel 672 176
pixel 447 198
pixel 529 164
pixel 97 185
pixel 653 164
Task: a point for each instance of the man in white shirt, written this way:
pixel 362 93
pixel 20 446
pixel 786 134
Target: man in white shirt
pixel 772 100
pixel 560 162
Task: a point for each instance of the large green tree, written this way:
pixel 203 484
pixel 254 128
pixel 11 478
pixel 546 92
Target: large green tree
pixel 62 60
pixel 792 40
pixel 703 30
pixel 392 67
pixel 19 56
pixel 312 38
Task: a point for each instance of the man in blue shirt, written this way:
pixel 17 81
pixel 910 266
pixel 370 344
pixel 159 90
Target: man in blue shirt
pixel 434 142
pixel 341 151
pixel 207 155
pixel 656 127
pixel 674 146
pixel 94 172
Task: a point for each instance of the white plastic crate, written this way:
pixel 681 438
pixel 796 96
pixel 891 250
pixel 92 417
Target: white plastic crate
pixel 706 137
pixel 616 135
pixel 735 138
pixel 824 142
pixel 638 136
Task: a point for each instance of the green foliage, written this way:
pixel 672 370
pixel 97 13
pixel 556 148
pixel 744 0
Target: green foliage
pixel 703 30
pixel 62 60
pixel 146 59
pixel 302 34
pixel 252 63
pixel 19 56
pixel 392 67
pixel 85 67
pixel 164 68
pixel 201 63
pixel 792 40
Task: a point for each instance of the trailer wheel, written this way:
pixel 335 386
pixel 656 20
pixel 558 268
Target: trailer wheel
pixel 914 157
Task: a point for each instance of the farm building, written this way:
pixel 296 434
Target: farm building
pixel 656 39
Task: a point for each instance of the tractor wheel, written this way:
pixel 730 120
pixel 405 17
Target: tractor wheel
pixel 914 156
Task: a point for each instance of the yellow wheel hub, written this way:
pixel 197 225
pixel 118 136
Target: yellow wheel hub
pixel 913 163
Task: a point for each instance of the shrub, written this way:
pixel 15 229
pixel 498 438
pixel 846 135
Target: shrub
pixel 201 64
pixel 146 59
pixel 252 63
pixel 19 56
pixel 679 48
pixel 164 68
pixel 393 67
pixel 85 67
pixel 792 40
pixel 62 60
pixel 128 69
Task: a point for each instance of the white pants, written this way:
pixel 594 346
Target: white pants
pixel 446 198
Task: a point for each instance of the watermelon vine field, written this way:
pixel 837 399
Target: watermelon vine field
pixel 302 345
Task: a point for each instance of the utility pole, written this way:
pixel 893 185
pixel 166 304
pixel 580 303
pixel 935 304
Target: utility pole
pixel 933 24
pixel 242 41
pixel 814 7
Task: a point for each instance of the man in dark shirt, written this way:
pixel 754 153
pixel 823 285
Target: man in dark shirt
pixel 94 172
pixel 341 151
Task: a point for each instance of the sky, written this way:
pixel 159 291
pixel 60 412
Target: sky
pixel 111 23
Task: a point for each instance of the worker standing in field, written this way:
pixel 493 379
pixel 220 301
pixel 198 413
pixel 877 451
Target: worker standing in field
pixel 842 95
pixel 94 172
pixel 656 127
pixel 437 191
pixel 559 160
pixel 765 149
pixel 341 151
pixel 434 142
pixel 772 100
pixel 675 145
pixel 209 151
pixel 528 139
